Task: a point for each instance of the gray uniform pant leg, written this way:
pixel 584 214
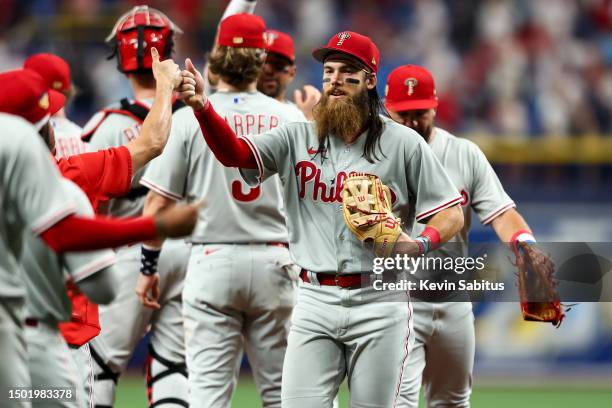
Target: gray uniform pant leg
pixel 444 356
pixel 337 332
pixel 84 365
pixel 51 365
pixel 14 363
pixel 236 297
pixel 125 321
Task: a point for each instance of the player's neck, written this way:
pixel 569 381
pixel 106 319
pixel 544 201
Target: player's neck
pixel 140 91
pixel 223 86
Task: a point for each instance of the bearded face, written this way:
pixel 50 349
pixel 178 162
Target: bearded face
pixel 341 112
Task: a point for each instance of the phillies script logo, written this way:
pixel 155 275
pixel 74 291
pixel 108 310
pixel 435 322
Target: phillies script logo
pixel 309 174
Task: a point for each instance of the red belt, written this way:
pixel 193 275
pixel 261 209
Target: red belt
pixel 31 322
pixel 352 281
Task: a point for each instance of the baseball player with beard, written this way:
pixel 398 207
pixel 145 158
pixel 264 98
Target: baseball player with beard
pixel 240 283
pixel 125 321
pixel 443 355
pixel 56 72
pixel 339 328
pixel 279 71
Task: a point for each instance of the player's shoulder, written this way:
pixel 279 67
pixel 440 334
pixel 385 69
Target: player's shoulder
pixel 77 196
pixel 22 133
pixel 461 145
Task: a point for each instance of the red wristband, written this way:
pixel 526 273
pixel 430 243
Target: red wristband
pixel 433 235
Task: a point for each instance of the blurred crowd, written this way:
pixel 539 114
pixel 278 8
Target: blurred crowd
pixel 503 67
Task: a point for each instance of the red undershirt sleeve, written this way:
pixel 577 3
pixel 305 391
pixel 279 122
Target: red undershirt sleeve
pixel 75 233
pixel 230 150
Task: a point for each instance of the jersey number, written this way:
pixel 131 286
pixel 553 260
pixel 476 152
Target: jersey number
pixel 237 193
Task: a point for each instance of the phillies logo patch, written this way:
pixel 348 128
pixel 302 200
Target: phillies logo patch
pixel 270 38
pixel 411 83
pixel 343 37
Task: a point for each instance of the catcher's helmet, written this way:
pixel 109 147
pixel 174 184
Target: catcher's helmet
pixel 136 32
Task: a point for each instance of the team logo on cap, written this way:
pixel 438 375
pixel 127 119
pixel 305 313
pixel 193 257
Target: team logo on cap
pixel 237 40
pixel 342 37
pixel 270 38
pixel 43 102
pixel 411 83
pixel 57 85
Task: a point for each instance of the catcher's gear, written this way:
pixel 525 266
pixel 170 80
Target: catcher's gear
pixel 538 293
pixel 366 205
pixel 136 32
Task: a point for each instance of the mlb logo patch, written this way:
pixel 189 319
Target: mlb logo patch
pixel 238 100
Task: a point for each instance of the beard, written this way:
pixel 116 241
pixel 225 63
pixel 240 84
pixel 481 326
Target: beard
pixel 344 118
pixel 269 86
pixel 424 131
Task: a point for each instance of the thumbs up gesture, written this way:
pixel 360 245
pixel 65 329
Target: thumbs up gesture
pixel 191 90
pixel 165 72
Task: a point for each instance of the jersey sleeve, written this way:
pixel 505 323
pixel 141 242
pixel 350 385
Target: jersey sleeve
pixel 271 151
pixel 429 183
pixel 489 199
pixel 33 183
pixel 80 265
pixel 167 173
pixel 102 175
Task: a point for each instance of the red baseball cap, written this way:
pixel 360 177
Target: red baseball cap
pixel 410 87
pixel 243 30
pixel 354 44
pixel 280 43
pixel 53 69
pixel 25 93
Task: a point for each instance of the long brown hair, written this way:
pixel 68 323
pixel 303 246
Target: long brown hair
pixel 237 66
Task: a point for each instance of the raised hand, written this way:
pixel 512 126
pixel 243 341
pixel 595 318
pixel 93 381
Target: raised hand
pixel 166 71
pixel 307 99
pixel 191 89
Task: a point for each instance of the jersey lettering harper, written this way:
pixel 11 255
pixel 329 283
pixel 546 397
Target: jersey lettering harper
pixel 477 182
pixel 30 196
pixel 47 299
pixel 187 169
pixel 318 237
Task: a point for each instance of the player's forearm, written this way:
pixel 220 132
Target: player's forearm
pixel 447 222
pixel 75 233
pixel 239 6
pixel 509 225
pixel 154 204
pixel 230 150
pixel 155 129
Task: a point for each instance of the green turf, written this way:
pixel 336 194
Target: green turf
pixel 131 394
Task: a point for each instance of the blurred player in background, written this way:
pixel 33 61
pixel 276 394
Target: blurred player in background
pixel 125 321
pixel 443 356
pixel 279 71
pixel 56 72
pixel 240 284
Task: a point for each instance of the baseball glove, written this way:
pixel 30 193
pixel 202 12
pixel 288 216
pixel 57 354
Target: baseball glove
pixel 366 205
pixel 538 293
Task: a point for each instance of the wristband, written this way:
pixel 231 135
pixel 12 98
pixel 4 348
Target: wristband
pixel 428 240
pixel 148 260
pixel 519 236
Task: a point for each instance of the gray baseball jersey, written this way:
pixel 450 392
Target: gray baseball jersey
pixel 318 237
pixel 44 269
pixel 31 197
pixel 67 137
pixel 234 212
pixel 118 130
pixel 474 177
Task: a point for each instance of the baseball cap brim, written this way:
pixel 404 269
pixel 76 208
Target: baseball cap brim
pixel 57 100
pixel 321 54
pixel 417 104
